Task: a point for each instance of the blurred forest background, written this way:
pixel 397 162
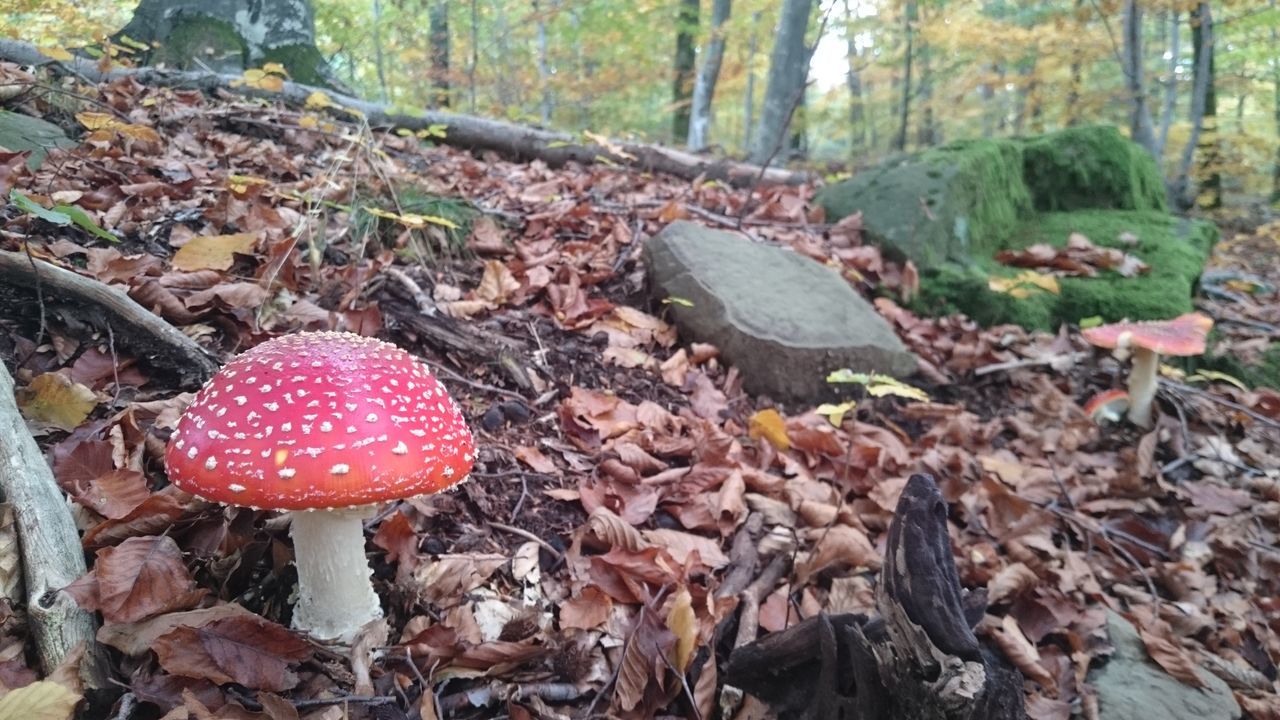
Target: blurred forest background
pixel 883 75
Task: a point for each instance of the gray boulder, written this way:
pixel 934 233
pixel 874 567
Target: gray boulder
pixel 20 133
pixel 1131 686
pixel 782 319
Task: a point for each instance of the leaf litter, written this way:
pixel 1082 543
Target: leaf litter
pixel 598 554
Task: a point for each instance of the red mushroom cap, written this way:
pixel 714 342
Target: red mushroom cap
pixel 1183 335
pixel 1107 405
pixel 320 420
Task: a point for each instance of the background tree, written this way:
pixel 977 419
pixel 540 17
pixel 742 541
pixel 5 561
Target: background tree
pixel 704 87
pixel 682 82
pixel 788 73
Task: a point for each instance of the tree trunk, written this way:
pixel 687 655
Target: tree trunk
pixel 379 63
pixel 1182 188
pixel 438 17
pixel 682 82
pixel 853 80
pixel 788 72
pixel 927 132
pixel 230 36
pixel 544 66
pixel 749 103
pixel 1202 39
pixel 1275 81
pixel 1140 124
pixel 704 88
pixel 904 108
pixel 798 137
pixel 475 58
pixel 1171 85
pixel 1077 75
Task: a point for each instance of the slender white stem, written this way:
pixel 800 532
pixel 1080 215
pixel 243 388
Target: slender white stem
pixel 1142 386
pixel 335 593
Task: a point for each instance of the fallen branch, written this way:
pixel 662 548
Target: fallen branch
pixel 463 131
pixel 26 282
pixel 50 546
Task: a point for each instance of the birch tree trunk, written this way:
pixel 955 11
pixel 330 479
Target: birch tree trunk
pixel 1140 124
pixel 704 87
pixel 788 72
pixel 686 57
pixel 904 107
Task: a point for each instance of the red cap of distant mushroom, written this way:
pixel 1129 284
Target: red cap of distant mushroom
pixel 1183 335
pixel 320 420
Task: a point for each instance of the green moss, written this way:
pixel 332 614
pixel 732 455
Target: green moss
pixel 1091 167
pixel 1263 373
pixel 304 63
pixel 973 191
pixel 198 42
pixel 1175 249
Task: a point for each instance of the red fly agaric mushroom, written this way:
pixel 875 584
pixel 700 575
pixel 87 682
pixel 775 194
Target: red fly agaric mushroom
pixel 327 423
pixel 1183 335
pixel 1107 406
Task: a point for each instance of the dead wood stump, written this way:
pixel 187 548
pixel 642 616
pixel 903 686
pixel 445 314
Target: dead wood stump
pixel 918 659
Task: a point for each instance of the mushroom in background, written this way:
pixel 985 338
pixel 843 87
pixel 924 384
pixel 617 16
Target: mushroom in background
pixel 1184 335
pixel 328 423
pixel 1107 406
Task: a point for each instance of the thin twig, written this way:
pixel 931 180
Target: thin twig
pixel 528 536
pixel 1180 387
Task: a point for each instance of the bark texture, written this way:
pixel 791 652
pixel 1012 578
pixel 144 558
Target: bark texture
pixel 788 72
pixel 1141 128
pixel 704 87
pixel 904 106
pixel 1182 190
pixel 682 83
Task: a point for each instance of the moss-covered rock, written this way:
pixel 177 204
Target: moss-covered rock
pixel 944 205
pixel 1175 249
pixel 1262 372
pixel 1091 167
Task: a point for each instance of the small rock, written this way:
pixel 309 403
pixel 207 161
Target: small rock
pixel 1131 686
pixel 784 320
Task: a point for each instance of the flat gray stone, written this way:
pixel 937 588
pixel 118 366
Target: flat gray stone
pixel 1131 686
pixel 784 320
pixel 20 133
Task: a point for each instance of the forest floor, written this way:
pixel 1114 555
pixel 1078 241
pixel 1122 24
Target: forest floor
pixel 580 570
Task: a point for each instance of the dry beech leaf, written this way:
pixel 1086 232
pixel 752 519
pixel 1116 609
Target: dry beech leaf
pixel 142 577
pixel 246 650
pixel 768 424
pixel 56 400
pixel 1021 652
pixel 497 284
pixel 136 639
pixel 1164 648
pixel 610 531
pixel 536 460
pixel 587 611
pixel 839 544
pixel 1010 582
pixel 213 252
pixel 684 625
pixel 682 544
pixel 641 660
pixel 444 580
pixel 44 700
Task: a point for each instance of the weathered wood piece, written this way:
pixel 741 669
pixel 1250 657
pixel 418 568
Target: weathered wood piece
pixel 464 131
pixel 50 546
pixel 82 302
pixel 919 659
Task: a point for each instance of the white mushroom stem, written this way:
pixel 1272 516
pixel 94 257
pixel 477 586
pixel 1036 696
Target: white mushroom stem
pixel 335 592
pixel 1142 386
